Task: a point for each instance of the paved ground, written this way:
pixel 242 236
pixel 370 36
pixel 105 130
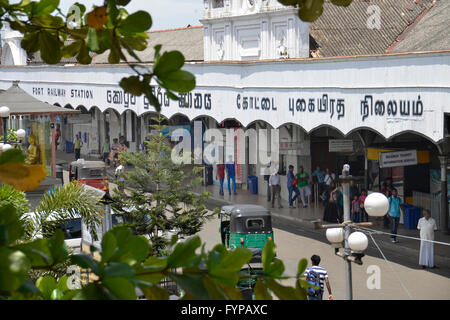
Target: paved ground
pixel 292 247
pixel 296 238
pixel 298 221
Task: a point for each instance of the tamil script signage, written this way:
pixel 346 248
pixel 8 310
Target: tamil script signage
pixel 339 145
pixel 346 94
pixel 386 111
pixel 398 159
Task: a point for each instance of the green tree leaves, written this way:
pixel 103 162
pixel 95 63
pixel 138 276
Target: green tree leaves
pixel 271 266
pixel 184 253
pixel 311 10
pixel 50 47
pixel 342 3
pixel 224 265
pixel 167 69
pixel 14 267
pixel 11 228
pixel 45 7
pixel 137 22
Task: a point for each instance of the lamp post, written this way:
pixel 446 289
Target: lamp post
pixel 340 235
pixel 7 145
pixel 4 114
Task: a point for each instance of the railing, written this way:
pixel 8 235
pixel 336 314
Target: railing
pixel 316 194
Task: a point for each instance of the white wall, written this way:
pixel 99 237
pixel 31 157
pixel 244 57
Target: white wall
pixel 399 77
pixel 267 30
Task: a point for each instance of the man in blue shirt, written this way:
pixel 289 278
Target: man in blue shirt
pixel 395 209
pixel 231 168
pixel 291 187
pixel 320 174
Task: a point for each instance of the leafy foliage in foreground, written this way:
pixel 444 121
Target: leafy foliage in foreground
pixel 125 263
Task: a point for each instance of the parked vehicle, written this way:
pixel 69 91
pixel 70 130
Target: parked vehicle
pixel 247 226
pixel 91 173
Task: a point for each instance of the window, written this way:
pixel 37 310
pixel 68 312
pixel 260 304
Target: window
pixel 255 224
pixel 217 4
pixel 70 227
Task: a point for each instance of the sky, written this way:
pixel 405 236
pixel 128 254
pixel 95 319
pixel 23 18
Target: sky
pixel 166 14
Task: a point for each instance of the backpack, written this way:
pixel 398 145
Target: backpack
pixel 313 278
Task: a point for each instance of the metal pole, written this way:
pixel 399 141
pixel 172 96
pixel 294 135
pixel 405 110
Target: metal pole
pixel 443 215
pixel 347 219
pixel 108 219
pixel 5 131
pixel 366 171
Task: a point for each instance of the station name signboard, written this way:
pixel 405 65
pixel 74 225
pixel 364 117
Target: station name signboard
pixel 340 145
pixel 398 159
pixel 388 111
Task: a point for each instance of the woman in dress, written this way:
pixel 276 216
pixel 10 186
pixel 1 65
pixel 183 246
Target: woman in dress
pixel 331 213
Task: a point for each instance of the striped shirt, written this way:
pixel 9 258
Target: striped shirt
pixel 320 271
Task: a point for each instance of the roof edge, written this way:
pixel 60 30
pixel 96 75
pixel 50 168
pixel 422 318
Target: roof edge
pixel 404 34
pixel 174 29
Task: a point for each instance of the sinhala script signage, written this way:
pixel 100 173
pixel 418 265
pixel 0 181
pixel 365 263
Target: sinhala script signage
pixel 387 111
pixel 398 159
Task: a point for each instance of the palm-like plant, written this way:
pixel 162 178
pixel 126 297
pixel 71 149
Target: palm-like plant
pixel 10 195
pixel 70 201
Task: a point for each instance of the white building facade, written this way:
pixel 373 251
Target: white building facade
pixel 257 73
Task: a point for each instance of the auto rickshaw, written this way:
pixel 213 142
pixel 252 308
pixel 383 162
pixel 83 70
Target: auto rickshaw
pixel 247 226
pixel 91 173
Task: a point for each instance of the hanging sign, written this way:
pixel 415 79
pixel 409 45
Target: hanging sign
pixel 340 145
pixel 398 159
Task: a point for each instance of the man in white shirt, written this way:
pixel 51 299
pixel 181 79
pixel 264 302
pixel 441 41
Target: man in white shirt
pixel 427 226
pixel 274 183
pixel 329 178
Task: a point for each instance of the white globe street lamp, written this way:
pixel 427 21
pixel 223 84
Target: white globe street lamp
pixel 4 112
pixel 335 235
pixel 21 134
pixel 358 241
pixel 376 204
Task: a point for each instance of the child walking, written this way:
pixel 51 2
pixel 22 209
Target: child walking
pixel 356 208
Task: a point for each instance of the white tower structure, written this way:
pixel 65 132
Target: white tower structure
pixel 12 52
pixel 238 30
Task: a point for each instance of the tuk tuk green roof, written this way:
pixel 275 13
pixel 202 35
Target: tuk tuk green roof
pixel 248 210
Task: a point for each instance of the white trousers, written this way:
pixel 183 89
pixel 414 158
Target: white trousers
pixel 426 257
pixel 304 193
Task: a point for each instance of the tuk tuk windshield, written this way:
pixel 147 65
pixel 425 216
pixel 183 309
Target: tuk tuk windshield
pixel 92 173
pixel 255 224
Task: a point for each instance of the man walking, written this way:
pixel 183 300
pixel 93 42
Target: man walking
pixel 292 187
pixel 427 226
pixel 317 275
pixel 106 148
pixel 274 183
pixel 221 175
pixel 77 147
pixel 303 178
pixel 320 174
pixel 266 178
pixel 395 206
pixel 231 174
